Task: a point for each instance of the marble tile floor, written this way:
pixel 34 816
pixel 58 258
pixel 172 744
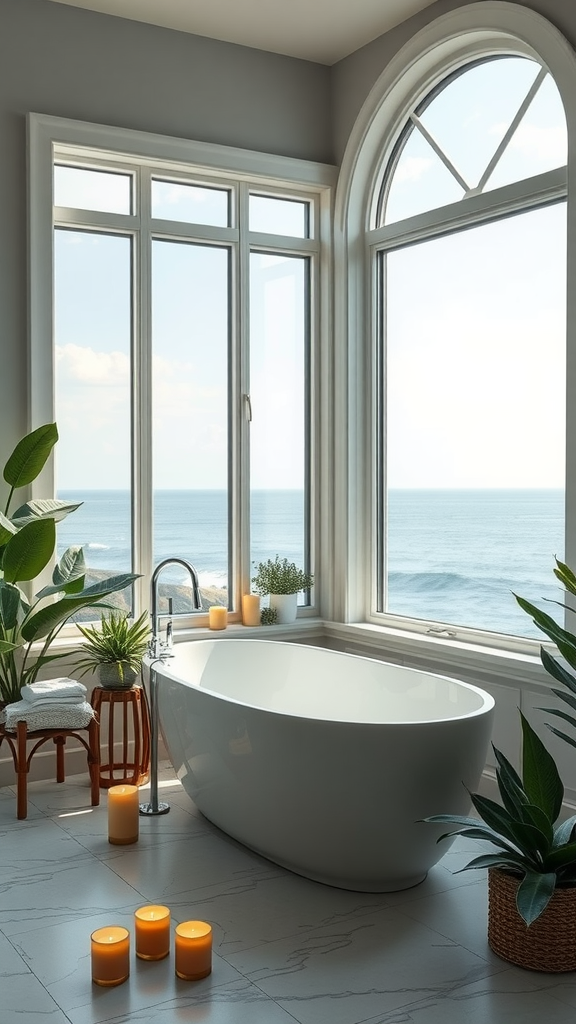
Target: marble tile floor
pixel 286 949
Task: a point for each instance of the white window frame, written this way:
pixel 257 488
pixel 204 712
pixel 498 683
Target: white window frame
pixel 52 138
pixel 455 39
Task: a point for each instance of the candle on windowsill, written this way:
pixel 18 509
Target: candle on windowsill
pixel 217 617
pixel 110 955
pixel 193 944
pixel 152 926
pixel 123 815
pixel 251 610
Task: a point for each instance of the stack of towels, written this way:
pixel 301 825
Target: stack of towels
pixel 51 704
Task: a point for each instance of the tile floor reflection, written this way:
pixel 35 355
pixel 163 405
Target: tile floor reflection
pixel 286 949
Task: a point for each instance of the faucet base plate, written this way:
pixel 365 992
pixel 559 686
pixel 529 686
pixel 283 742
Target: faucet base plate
pixel 149 809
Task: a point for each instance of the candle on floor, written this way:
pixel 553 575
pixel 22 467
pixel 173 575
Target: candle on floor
pixel 217 617
pixel 193 942
pixel 123 816
pixel 110 955
pixel 152 925
pixel 251 610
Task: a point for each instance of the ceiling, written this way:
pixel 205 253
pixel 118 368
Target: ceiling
pixel 319 30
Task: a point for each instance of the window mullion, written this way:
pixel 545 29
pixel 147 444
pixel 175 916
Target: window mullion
pixel 142 392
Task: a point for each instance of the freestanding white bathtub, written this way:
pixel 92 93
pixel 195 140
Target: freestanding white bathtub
pixel 320 761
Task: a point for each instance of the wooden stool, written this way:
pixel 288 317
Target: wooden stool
pixel 18 743
pixel 135 764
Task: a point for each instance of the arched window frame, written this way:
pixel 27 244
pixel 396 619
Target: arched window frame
pixel 462 36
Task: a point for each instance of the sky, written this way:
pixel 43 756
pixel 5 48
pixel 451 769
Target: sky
pixel 475 385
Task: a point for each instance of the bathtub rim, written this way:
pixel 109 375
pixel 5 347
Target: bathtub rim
pixel 162 667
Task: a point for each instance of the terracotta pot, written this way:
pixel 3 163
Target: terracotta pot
pixel 548 944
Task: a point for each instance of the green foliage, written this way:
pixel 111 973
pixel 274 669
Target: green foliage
pixel 279 576
pixel 565 642
pixel 116 641
pixel 268 616
pixel 530 844
pixel 27 544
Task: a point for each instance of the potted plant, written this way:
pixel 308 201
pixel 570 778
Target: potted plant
pixel 282 581
pixel 114 649
pixel 565 642
pixel 532 866
pixel 27 546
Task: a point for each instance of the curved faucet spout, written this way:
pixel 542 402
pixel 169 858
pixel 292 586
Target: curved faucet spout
pixel 154 615
pixel 156 654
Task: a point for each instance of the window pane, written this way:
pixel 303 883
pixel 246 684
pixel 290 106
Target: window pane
pixel 279 216
pixel 540 143
pixel 92 190
pixel 476 421
pixel 421 181
pixel 191 204
pixel 92 340
pixel 471 114
pixel 279 319
pixel 190 330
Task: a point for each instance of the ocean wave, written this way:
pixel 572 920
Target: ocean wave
pixel 441 582
pixel 97 547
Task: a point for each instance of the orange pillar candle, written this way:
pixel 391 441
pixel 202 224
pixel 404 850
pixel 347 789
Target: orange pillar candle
pixel 217 617
pixel 152 925
pixel 193 940
pixel 123 815
pixel 110 954
pixel 251 610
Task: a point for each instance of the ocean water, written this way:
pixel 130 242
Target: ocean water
pixel 454 556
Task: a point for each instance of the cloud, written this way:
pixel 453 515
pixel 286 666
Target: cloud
pixel 542 144
pixel 79 365
pixel 412 168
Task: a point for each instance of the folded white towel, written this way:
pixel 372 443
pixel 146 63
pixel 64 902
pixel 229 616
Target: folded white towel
pixel 54 689
pixel 57 716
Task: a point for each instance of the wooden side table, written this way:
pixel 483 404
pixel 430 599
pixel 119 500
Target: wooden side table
pixel 134 766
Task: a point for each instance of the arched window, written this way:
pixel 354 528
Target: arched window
pixel 456 204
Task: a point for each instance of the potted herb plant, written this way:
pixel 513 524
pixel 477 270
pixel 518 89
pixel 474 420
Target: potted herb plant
pixel 114 649
pixel 532 863
pixel 282 581
pixel 27 546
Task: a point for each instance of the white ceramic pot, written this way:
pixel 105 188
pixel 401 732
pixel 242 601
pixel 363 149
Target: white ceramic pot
pixel 285 605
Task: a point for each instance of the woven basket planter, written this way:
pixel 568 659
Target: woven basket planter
pixel 549 944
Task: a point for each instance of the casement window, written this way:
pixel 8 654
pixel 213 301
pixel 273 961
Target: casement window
pixel 184 355
pixel 469 255
pixel 454 202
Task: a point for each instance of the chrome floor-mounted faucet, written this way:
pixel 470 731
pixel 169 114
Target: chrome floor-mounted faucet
pixel 159 652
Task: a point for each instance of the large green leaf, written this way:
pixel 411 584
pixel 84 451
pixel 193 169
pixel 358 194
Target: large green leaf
pixel 563 856
pixel 540 777
pixel 563 832
pixel 534 894
pixel 6 645
pixel 10 605
pixel 557 671
pixel 30 455
pixel 7 529
pixel 43 508
pixel 509 785
pixel 54 615
pixel 29 551
pixel 526 837
pixel 565 641
pixel 495 860
pixel 566 576
pixel 69 574
pixel 568 699
pixel 560 714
